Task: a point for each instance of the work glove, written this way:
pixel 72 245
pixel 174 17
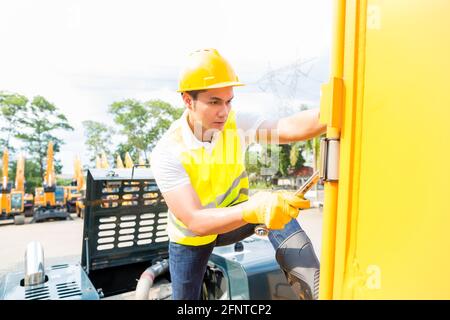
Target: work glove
pixel 274 209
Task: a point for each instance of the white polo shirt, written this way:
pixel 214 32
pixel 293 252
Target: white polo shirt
pixel 165 164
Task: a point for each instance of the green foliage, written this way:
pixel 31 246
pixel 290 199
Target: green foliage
pixel 123 148
pixel 269 159
pixel 296 160
pixel 63 182
pixel 98 138
pixel 12 109
pixel 284 153
pixel 252 163
pixel 142 123
pixel 261 184
pixel 282 160
pixel 39 124
pixel 32 175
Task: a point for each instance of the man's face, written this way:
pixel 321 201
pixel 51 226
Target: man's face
pixel 211 108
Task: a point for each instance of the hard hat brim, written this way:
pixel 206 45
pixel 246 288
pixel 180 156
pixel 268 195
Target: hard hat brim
pixel 214 86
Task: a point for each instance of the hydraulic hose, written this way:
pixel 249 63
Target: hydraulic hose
pixel 147 278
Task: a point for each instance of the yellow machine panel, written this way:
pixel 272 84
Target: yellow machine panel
pixel 39 197
pixel 385 230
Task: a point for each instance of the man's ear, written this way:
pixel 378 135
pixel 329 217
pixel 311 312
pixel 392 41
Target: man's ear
pixel 188 101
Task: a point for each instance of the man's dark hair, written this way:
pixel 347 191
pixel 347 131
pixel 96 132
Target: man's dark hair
pixel 194 93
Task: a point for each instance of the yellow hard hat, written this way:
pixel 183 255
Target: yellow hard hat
pixel 207 69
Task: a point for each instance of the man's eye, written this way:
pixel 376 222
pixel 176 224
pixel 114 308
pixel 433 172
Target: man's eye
pixel 213 102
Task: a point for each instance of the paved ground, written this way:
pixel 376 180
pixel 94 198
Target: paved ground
pixel 62 240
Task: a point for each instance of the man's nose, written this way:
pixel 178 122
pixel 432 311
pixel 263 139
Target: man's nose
pixel 223 113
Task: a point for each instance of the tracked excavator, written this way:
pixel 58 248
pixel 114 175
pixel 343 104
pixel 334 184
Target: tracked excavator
pixel 28 198
pixel 50 199
pixel 21 202
pixel 12 199
pixel 119 162
pixel 81 190
pixel 128 161
pixel 73 191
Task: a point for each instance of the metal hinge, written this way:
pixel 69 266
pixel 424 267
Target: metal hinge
pixel 329 159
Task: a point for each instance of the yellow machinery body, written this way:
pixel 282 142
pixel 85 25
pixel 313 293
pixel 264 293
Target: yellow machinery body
pixel 12 199
pixel 28 202
pixel 80 203
pixel 18 193
pixel 386 220
pixel 39 197
pixel 80 188
pixel 53 195
pixel 5 203
pixel 128 161
pixel 119 162
pixel 71 193
pixel 49 199
pixel 29 197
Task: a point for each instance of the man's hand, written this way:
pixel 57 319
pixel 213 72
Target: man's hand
pixel 274 209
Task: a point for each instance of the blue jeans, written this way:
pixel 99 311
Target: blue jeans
pixel 187 264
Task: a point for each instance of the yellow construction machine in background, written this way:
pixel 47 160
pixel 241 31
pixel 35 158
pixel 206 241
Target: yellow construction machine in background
pixel 50 200
pixel 128 161
pixel 28 198
pixel 18 193
pixel 12 199
pixel 73 191
pixel 80 183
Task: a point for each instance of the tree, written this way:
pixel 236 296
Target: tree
pixel 98 138
pixel 32 175
pixel 143 123
pixel 312 147
pixel 269 162
pixel 123 148
pixel 284 158
pixel 12 109
pixel 39 124
pixel 296 158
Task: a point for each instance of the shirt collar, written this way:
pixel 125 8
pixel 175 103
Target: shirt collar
pixel 190 139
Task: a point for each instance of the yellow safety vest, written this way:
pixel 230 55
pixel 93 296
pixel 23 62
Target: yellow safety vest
pixel 218 176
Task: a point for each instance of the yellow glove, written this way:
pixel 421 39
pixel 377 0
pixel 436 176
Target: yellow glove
pixel 296 201
pixel 274 209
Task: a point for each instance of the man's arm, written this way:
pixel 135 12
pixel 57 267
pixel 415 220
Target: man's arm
pixel 301 126
pixel 184 203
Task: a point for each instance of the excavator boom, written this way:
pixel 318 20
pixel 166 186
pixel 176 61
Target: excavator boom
pixel 20 174
pixel 128 161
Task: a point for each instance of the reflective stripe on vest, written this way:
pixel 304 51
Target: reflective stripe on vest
pixel 218 177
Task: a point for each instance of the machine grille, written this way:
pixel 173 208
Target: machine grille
pixel 59 266
pixel 68 289
pixel 126 219
pixel 62 281
pixel 139 229
pixel 40 293
pixel 126 231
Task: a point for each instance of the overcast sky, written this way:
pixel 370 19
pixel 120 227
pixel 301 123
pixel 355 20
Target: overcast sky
pixel 83 55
